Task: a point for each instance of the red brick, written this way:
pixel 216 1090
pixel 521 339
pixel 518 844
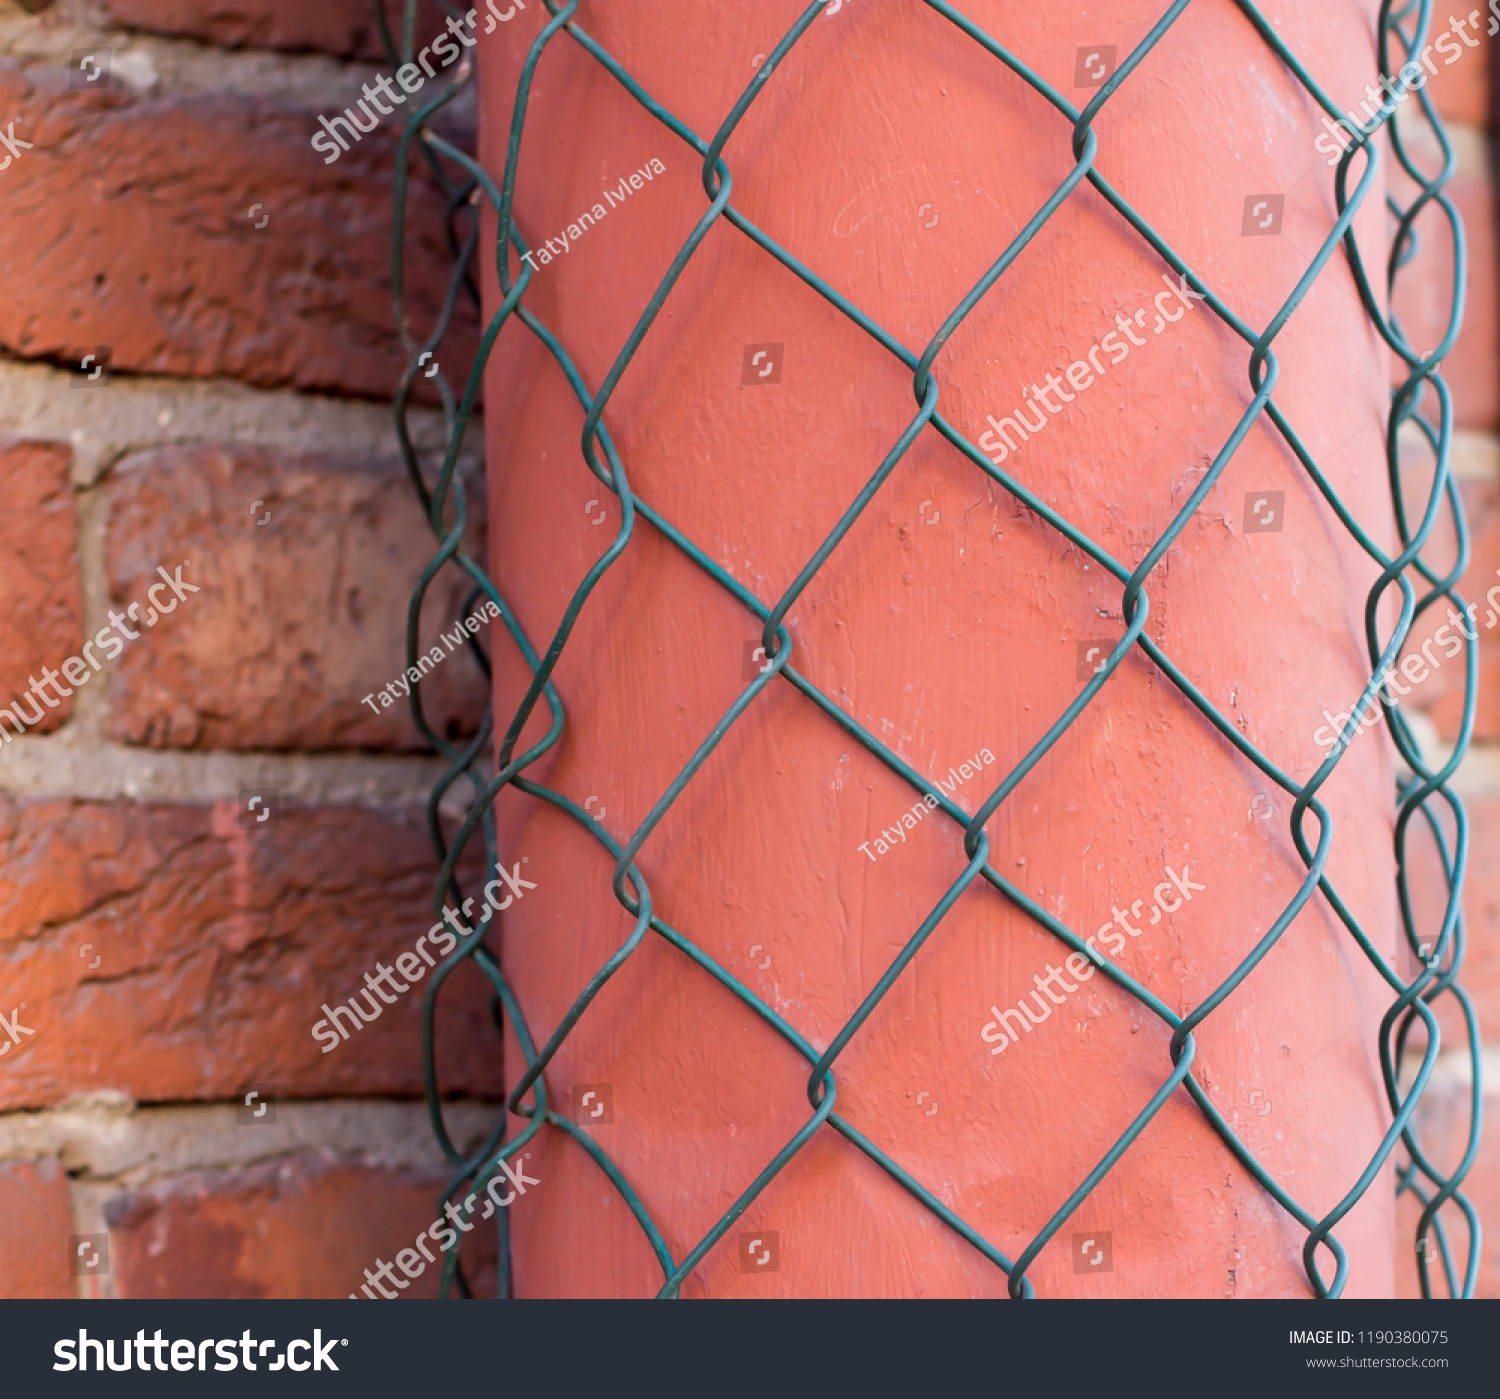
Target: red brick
pixel 1441 692
pixel 343 27
pixel 35 1221
pixel 1461 90
pixel 126 227
pixel 298 620
pixel 219 946
pixel 40 621
pixel 1443 1126
pixel 1424 287
pixel 295 1228
pixel 1480 975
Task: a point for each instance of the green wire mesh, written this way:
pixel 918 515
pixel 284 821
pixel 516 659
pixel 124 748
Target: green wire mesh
pixel 1422 400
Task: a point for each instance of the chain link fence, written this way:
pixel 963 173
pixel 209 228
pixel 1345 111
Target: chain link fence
pixel 1422 403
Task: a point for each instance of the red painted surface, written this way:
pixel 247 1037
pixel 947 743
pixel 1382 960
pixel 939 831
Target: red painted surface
pixel 944 639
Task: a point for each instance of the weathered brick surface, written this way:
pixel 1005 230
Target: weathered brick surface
pixel 295 1228
pixel 126 226
pixel 35 1221
pixel 298 619
pixel 1424 290
pixel 40 607
pixel 1443 1121
pixel 218 945
pixel 343 27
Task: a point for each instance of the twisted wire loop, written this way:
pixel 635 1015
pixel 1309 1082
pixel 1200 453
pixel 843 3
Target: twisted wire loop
pixel 1422 401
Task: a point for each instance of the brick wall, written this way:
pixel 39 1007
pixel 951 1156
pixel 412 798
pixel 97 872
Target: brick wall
pixel 167 952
